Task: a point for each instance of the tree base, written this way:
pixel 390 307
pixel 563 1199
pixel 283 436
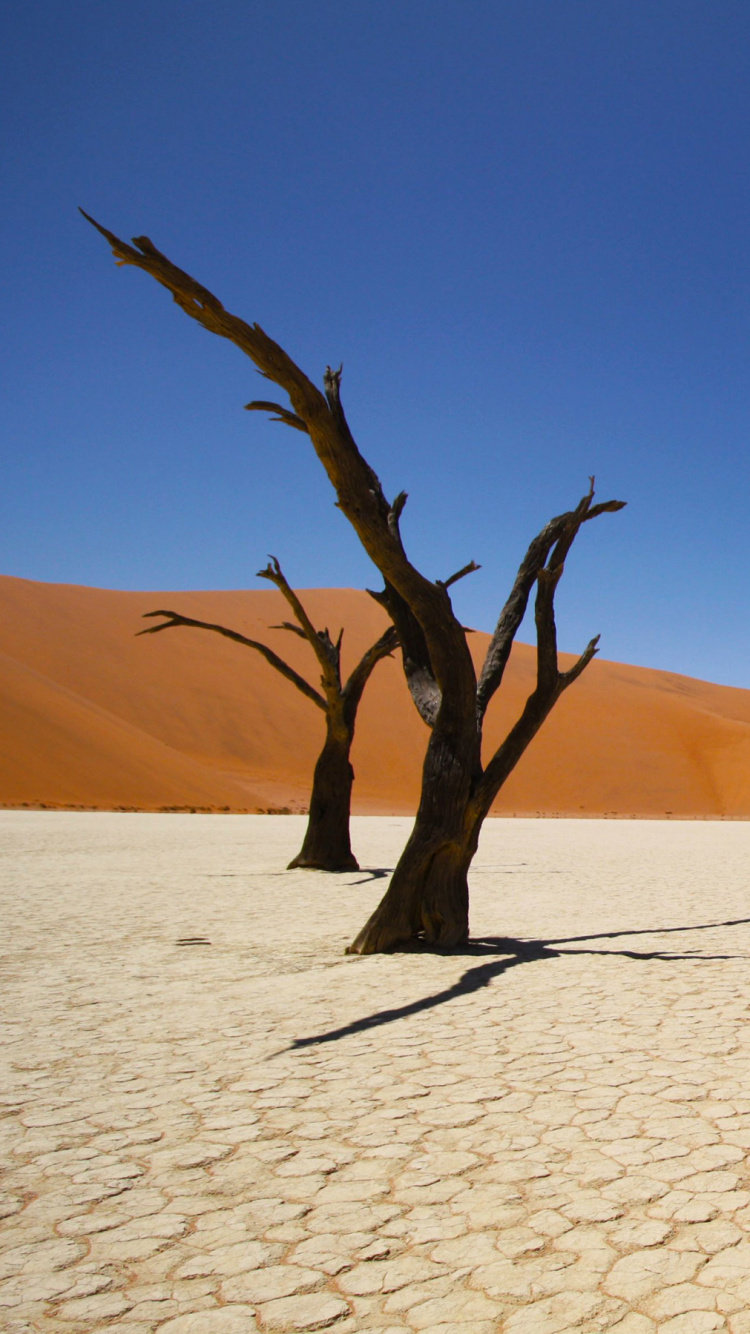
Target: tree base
pixel 379 938
pixel 427 901
pixel 312 863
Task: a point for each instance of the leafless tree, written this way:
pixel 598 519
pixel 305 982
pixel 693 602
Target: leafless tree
pixel 428 896
pixel 326 845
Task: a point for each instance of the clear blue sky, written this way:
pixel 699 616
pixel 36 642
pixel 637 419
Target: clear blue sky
pixel 523 225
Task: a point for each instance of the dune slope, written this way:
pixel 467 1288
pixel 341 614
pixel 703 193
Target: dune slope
pixel 91 715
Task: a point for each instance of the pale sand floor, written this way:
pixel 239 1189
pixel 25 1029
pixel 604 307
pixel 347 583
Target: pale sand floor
pixel 454 1144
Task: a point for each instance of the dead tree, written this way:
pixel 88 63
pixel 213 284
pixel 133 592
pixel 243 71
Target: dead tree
pixel 326 845
pixel 428 897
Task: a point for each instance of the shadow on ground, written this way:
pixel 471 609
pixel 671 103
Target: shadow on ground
pixel 515 952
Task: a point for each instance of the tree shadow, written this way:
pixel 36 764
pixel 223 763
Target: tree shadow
pixel 373 873
pixel 515 952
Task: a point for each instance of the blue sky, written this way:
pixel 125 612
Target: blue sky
pixel 523 225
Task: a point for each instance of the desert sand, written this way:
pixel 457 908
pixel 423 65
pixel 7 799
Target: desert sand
pixel 91 715
pixel 548 1132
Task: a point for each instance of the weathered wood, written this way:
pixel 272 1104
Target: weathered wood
pixel 326 845
pixel 427 898
pixel 175 620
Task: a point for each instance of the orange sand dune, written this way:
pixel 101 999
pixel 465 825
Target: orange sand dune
pixel 90 715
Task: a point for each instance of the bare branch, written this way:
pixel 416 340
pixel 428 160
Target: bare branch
pixel 607 507
pixel 570 530
pixel 547 674
pixel 293 629
pixel 559 537
pixel 358 489
pixel 332 386
pixel 175 620
pixel 537 708
pixel 420 678
pixel 281 414
pixel 320 642
pixel 590 651
pixel 201 305
pixel 333 651
pixel 394 514
pixel 382 648
pixel 460 574
pixel 397 508
pixel 549 678
pixel 514 610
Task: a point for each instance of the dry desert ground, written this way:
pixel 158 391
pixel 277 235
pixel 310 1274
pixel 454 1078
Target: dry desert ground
pixel 216 1122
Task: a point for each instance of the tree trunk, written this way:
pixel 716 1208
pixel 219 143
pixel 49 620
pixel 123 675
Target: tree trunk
pixel 326 846
pixel 428 894
pixel 428 897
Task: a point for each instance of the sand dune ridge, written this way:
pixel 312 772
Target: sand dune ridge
pixel 91 715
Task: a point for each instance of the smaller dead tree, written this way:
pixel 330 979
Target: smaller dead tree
pixel 326 845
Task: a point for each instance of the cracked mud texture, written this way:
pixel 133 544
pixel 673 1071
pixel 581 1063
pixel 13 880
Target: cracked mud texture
pixel 212 1121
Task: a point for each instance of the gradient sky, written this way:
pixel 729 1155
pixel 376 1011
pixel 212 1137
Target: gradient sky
pixel 523 225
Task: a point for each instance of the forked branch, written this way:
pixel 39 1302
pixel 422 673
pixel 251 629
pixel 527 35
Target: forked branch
pixel 460 574
pixel 559 535
pixel 325 651
pixel 358 489
pixel 394 515
pixel 415 655
pixel 382 648
pixel 550 682
pixel 280 414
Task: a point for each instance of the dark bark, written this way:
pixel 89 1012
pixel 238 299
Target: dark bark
pixel 174 620
pixel 428 895
pixel 326 845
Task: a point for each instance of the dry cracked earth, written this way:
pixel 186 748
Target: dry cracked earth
pixel 215 1122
